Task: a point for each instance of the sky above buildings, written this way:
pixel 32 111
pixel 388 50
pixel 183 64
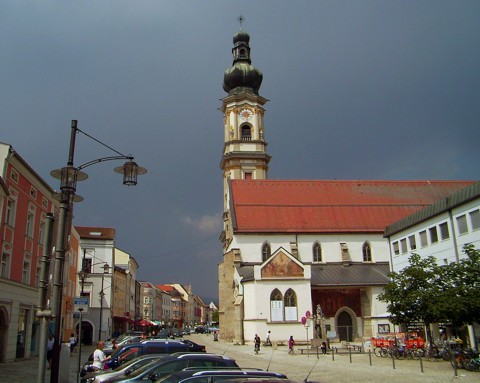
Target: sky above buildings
pixel 357 89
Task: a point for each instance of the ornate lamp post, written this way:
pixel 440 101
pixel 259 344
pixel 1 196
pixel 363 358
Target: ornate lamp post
pixel 69 175
pixel 106 269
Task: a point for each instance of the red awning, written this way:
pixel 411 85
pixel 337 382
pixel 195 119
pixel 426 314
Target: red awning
pixel 145 322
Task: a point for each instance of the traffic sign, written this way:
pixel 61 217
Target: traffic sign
pixel 80 305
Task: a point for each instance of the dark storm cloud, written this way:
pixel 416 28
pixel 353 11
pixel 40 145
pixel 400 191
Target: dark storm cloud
pixel 357 89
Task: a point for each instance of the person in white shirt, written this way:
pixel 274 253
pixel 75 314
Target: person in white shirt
pixel 268 341
pixel 99 356
pixel 73 343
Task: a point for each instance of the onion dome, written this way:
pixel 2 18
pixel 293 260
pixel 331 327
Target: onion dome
pixel 242 75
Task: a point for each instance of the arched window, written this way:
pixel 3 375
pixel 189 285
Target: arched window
pixel 367 252
pixel 266 251
pixel 276 306
pixel 246 133
pixel 290 300
pixel 317 252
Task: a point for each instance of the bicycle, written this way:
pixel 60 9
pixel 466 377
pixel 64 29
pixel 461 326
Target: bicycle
pixel 467 359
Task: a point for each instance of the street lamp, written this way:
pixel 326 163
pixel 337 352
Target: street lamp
pixel 106 269
pixel 69 175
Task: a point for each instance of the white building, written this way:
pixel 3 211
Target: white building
pixel 97 257
pixel 440 230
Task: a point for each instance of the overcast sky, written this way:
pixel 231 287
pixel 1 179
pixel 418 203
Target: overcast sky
pixel 357 89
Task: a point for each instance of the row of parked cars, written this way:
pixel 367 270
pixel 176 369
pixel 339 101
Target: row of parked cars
pixel 170 361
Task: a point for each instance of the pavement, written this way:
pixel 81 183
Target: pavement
pixel 336 368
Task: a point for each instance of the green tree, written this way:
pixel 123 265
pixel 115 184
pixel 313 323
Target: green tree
pixel 426 292
pixel 409 294
pixel 462 298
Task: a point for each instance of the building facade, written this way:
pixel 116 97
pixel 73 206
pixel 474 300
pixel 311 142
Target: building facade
pixel 440 230
pixel 97 257
pixel 123 304
pixel 26 199
pixel 301 258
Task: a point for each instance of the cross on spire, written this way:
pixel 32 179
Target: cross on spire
pixel 241 19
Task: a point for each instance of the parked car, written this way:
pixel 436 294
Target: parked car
pixel 177 333
pixel 174 363
pixel 195 376
pixel 200 330
pixel 194 347
pixel 130 351
pixel 122 370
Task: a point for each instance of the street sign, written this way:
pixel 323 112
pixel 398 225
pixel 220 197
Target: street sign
pixel 80 305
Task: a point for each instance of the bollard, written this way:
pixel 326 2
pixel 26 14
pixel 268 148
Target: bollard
pixel 350 353
pixel 421 363
pixel 370 356
pixel 393 359
pixel 333 354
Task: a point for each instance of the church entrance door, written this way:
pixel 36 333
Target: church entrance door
pixel 345 328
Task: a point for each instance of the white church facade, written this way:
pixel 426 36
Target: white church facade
pixel 301 258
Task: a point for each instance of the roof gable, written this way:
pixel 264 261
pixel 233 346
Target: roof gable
pixel 282 265
pixel 86 232
pixel 330 206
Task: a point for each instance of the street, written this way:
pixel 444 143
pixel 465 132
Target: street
pixel 324 369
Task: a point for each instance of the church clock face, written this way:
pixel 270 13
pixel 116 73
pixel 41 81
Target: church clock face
pixel 246 114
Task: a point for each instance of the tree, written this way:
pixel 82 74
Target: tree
pixel 463 305
pixel 409 294
pixel 426 292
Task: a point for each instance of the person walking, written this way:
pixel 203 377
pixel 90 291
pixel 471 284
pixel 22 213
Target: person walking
pixel 73 343
pixel 50 343
pixel 291 343
pixel 257 343
pixel 268 342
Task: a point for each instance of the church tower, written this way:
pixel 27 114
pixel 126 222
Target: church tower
pixel 245 150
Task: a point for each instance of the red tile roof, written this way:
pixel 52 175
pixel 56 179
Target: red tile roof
pixel 87 232
pixel 330 206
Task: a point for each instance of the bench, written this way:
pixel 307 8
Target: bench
pixel 347 349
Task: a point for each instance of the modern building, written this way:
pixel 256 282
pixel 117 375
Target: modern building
pixel 301 258
pixel 440 230
pixel 25 201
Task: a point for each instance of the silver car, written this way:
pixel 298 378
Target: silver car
pixel 123 370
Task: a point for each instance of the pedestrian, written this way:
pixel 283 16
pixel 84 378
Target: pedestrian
pixel 291 343
pixel 268 342
pixel 98 357
pixel 323 346
pixel 257 343
pixel 50 343
pixel 73 343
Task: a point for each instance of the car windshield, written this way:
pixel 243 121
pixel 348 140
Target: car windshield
pixel 145 368
pixel 135 364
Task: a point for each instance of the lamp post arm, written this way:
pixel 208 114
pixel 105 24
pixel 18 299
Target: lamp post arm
pixel 112 158
pixel 94 139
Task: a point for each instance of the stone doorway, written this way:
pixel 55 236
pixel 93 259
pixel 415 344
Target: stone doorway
pixel 345 327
